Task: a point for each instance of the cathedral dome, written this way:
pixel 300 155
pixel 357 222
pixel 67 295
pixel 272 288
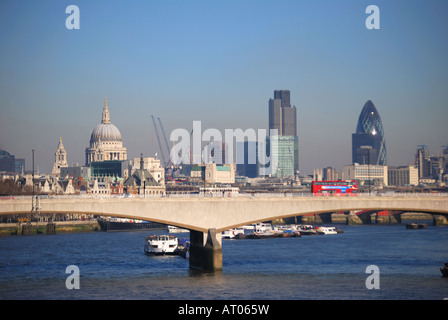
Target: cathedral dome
pixel 105 142
pixel 105 131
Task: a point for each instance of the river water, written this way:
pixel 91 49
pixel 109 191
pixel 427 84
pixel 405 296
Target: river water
pixel 114 266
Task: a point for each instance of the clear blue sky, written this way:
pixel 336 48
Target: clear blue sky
pixel 219 61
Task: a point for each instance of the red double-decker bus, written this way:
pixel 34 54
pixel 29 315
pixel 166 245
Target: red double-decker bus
pixel 337 187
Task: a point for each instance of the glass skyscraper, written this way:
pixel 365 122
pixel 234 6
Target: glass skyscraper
pixel 368 143
pixel 287 150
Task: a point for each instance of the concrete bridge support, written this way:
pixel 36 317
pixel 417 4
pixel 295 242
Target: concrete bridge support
pixel 439 220
pixel 353 219
pixel 206 250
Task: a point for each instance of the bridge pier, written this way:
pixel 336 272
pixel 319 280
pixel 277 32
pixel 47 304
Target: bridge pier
pixel 353 219
pixel 206 250
pixel 439 220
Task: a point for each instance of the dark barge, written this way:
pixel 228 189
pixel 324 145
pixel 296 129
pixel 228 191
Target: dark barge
pixel 128 225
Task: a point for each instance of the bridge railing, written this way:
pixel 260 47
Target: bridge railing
pixel 231 195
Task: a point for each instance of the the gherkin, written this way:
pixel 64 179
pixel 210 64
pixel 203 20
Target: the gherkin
pixel 368 143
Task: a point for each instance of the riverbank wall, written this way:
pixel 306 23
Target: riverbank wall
pixel 15 229
pixel 339 218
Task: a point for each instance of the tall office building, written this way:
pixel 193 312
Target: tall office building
pixel 283 117
pixel 369 133
pixel 287 150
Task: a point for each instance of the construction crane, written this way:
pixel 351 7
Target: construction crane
pixel 166 141
pixel 158 140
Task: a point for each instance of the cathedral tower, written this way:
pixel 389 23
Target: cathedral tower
pixel 60 159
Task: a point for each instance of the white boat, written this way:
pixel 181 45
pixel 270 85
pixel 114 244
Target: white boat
pixel 232 233
pixel 263 228
pixel 327 230
pixel 161 244
pixel 173 229
pixel 228 234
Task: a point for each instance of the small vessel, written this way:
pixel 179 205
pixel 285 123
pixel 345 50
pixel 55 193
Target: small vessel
pixel 262 231
pixel 121 224
pixel 326 230
pixel 306 229
pixel 444 270
pixel 232 233
pixel 228 234
pixel 173 229
pixel 161 245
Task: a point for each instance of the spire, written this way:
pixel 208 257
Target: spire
pixel 106 115
pixel 60 145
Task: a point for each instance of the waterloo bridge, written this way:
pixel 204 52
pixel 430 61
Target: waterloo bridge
pixel 207 217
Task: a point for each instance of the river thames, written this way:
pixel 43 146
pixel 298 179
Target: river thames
pixel 322 267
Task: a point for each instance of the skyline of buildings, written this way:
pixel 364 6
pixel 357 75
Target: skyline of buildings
pixel 368 146
pixel 106 153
